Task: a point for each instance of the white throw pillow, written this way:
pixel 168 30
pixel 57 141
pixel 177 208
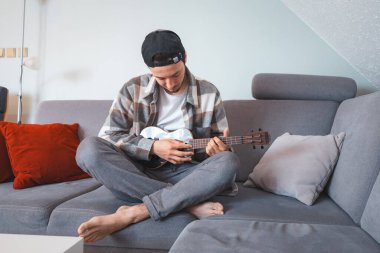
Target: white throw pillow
pixel 297 166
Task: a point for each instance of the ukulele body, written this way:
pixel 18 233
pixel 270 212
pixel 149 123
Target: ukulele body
pixel 156 133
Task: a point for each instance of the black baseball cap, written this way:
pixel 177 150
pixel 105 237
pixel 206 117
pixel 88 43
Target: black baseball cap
pixel 162 42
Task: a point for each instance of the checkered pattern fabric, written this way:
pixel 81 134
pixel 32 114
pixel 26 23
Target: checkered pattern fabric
pixel 135 108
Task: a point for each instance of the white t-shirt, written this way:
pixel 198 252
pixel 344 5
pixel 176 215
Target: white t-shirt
pixel 170 116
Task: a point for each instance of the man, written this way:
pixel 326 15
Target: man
pixel 171 98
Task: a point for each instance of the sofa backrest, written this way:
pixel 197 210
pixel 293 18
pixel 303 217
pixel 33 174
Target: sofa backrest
pixel 359 161
pixel 90 114
pixel 299 104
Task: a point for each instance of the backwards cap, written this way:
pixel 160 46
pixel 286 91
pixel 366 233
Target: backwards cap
pixel 162 42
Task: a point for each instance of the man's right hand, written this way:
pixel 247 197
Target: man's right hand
pixel 169 150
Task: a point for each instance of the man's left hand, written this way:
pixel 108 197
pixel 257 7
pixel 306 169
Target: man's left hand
pixel 215 145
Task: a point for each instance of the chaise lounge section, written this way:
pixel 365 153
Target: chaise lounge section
pixel 343 219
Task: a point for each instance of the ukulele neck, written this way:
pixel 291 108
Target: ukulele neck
pixel 202 143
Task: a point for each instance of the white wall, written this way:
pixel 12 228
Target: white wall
pixel 89 48
pixel 11 12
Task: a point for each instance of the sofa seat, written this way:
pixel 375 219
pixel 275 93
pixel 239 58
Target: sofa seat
pixel 258 205
pixel 272 237
pixel 147 234
pixel 28 210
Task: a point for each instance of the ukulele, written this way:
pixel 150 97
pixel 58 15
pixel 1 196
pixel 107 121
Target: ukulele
pixel 184 135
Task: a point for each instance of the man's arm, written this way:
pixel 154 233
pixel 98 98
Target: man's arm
pixel 119 122
pixel 219 126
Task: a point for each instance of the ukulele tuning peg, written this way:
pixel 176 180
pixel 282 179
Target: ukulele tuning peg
pixel 259 129
pixel 262 147
pixel 253 147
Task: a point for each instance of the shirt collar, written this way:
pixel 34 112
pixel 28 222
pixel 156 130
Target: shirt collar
pixel 192 93
pixel 149 89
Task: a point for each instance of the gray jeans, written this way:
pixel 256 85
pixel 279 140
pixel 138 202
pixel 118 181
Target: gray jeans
pixel 163 191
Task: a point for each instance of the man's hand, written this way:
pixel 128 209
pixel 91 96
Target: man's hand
pixel 169 150
pixel 215 145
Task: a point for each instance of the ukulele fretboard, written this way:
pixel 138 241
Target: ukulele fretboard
pixel 233 140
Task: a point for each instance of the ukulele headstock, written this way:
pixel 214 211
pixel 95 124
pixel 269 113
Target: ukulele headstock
pixel 259 138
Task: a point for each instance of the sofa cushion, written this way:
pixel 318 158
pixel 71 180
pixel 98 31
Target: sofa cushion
pixel 27 211
pixel 43 154
pixel 370 221
pixel 277 117
pixel 258 205
pixel 105 249
pixel 147 234
pixel 90 114
pixel 302 87
pixel 297 165
pixel 359 161
pixel 271 237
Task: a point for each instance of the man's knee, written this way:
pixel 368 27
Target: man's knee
pixel 88 152
pixel 227 164
pixel 232 162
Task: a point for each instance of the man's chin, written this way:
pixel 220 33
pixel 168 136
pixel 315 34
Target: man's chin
pixel 173 90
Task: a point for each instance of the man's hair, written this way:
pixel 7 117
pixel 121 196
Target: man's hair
pixel 162 59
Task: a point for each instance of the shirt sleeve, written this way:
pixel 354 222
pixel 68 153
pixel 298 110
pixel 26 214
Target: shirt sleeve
pixel 118 125
pixel 219 119
pixel 218 123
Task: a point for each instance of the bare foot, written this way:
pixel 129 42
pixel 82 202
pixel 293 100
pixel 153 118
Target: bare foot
pixel 100 226
pixel 206 209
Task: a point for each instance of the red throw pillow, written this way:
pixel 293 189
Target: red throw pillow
pixel 43 154
pixel 6 173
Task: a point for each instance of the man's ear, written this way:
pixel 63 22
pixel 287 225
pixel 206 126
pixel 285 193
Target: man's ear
pixel 185 58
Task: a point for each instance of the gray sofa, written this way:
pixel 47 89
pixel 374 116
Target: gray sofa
pixel 343 218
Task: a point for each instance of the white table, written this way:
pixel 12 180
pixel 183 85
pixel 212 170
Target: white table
pixel 12 243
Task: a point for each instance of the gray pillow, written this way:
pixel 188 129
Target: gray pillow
pixel 297 166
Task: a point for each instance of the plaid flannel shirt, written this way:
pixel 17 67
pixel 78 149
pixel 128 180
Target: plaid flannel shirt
pixel 135 108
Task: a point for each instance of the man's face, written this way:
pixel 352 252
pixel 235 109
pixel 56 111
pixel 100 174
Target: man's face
pixel 170 77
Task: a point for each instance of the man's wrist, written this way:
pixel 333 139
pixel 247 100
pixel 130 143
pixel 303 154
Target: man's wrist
pixel 151 151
